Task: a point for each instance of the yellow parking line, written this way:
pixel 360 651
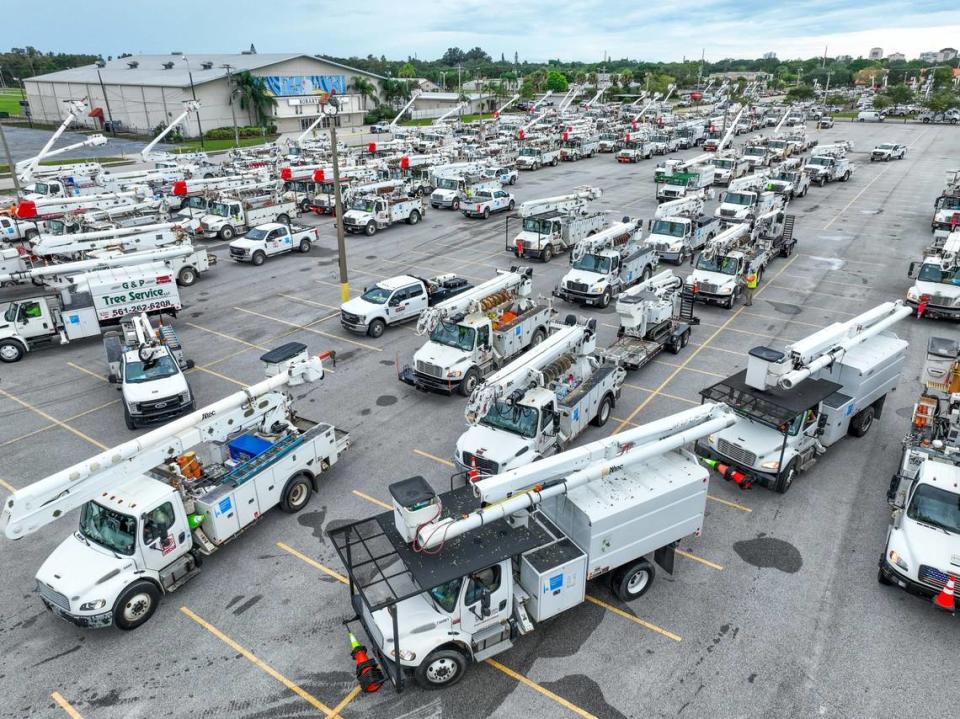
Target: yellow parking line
pixel 307 328
pixel 372 499
pixel 55 421
pixel 445 462
pixel 695 558
pixel 632 618
pixel 542 690
pixel 721 349
pixel 821 292
pixel 199 368
pixel 7 486
pixel 310 302
pixel 65 705
pixel 227 337
pixel 260 664
pixel 313 563
pixel 344 702
pixel 728 503
pixel 86 371
pixel 51 426
pixel 683 366
pixel 856 197
pixel 662 394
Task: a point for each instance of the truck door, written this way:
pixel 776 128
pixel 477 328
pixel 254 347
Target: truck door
pixel 279 240
pixel 398 306
pixel 164 535
pixel 381 213
pixel 33 319
pixel 236 213
pixel 486 598
pixel 7 229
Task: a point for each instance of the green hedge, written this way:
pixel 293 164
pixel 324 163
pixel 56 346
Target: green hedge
pixel 227 133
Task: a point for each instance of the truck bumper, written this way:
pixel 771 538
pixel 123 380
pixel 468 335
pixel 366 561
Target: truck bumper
pixel 428 384
pixel 207 234
pixel 145 418
pixel 670 256
pixel 91 621
pixel 936 312
pixel 764 479
pixel 357 327
pixel 580 298
pixel 437 204
pixel 708 298
pixel 890 573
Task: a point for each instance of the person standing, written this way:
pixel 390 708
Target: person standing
pixel 751 280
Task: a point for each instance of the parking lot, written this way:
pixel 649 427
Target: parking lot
pixel 774 611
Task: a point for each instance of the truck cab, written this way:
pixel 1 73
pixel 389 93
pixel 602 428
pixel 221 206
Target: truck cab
pixel 397 299
pixel 597 277
pixel 937 287
pixel 718 278
pixel 634 150
pixel 789 183
pixel 756 156
pixel 946 212
pixel 152 385
pixel 26 322
pixel 728 168
pixel 740 206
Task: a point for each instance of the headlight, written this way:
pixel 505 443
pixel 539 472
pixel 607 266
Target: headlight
pixel 404 655
pixel 597 288
pixel 772 466
pixel 898 560
pixel 93 606
pixel 712 440
pixel 725 291
pixel 454 374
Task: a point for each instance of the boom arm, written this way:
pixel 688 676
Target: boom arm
pixel 733 128
pixel 537 104
pixel 46 245
pixel 608 237
pixel 75 109
pixel 27 168
pixel 188 107
pixel 69 269
pixel 262 404
pixel 726 240
pixel 413 97
pixel 490 294
pixel 575 200
pixel 691 206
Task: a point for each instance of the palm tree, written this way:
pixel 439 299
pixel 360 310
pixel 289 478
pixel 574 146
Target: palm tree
pixel 365 89
pixel 393 90
pixel 253 96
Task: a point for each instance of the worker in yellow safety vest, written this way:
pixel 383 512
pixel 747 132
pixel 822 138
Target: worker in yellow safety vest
pixel 751 279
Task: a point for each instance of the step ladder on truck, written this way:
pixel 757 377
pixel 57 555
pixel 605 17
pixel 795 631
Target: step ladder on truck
pixel 443 581
pixel 196 483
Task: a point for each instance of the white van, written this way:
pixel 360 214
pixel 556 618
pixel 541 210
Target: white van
pixel 869 116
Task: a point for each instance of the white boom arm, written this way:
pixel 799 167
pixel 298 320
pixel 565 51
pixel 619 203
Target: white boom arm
pixel 570 202
pixel 756 181
pixel 568 98
pixel 485 296
pixel 661 284
pixel 526 487
pixel 188 107
pixel 75 109
pixel 40 503
pixel 537 104
pixel 596 97
pixel 121 237
pixel 783 119
pixel 730 132
pixel 26 169
pixel 612 236
pixel 643 111
pixel 524 372
pixel 727 240
pixel 690 206
pixel 507 104
pixel 642 96
pixel 413 97
pixel 824 347
pixel 69 269
pixel 459 106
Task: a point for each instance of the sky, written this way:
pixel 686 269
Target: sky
pixel 584 30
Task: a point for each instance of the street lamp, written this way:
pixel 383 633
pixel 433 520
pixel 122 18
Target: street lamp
pixel 330 106
pixel 193 91
pixel 106 100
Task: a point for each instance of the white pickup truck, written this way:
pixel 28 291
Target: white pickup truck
pixel 485 202
pixel 272 239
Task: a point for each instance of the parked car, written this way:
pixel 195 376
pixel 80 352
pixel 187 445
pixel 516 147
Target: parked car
pixel 888 151
pixel 825 123
pixel 382 126
pixel 869 116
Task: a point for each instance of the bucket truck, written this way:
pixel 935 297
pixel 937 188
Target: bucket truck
pixel 634 147
pixel 76 245
pixel 75 110
pixel 577 146
pixel 148 365
pixel 152 508
pixel 147 154
pixel 829 163
pixel 793 405
pixel 688 177
pixel 456 189
pixel 789 180
pixel 552 225
pixel 371 212
pixel 55 207
pixel 746 198
pixel 946 208
pixel 86 303
pixel 604 264
pixel 680 229
pixel 718 272
pixel 27 170
pixel 473 569
pixel 229 216
pixel 935 292
pixel 539 403
pixel 665 168
pixel 477 331
pixel 922 549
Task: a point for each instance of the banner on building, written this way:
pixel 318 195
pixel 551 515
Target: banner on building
pixel 298 85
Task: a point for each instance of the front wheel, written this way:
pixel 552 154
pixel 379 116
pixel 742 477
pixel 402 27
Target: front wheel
pixel 632 582
pixel 136 605
pixel 258 258
pixel 442 668
pixel 786 477
pixel 376 328
pixel 370 229
pixel 511 206
pixel 547 253
pixel 11 351
pixel 470 382
pixel 606 297
pixel 456 205
pixel 227 233
pixel 296 494
pixel 414 218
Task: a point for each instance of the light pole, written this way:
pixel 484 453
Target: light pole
pixel 330 106
pixel 193 91
pixel 233 112
pixel 106 101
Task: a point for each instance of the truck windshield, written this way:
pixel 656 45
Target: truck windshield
pixel 532 224
pixel 593 263
pixel 56 227
pixel 937 507
pixel 377 295
pixel 820 161
pixel 138 371
pixel 257 234
pixel 755 151
pixel 949 203
pixel 113 530
pixel 221 209
pixel 445 183
pixel 723 164
pixel 930 272
pixel 666 227
pixel 886 146
pixel 447 594
pixel 363 206
pixel 718 263
pixel 454 335
pixel 195 202
pixel 41 188
pixel 738 198
pixel 513 418
pixel 776 144
pixel 529 152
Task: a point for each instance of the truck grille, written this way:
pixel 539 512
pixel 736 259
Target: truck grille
pixel 350 318
pixel 940 300
pixel 158 405
pixel 431 370
pixel 53 596
pixel 709 288
pixel 484 466
pixel 737 454
pixel 350 221
pixel 728 213
pixel 238 252
pixel 577 286
pixel 931 575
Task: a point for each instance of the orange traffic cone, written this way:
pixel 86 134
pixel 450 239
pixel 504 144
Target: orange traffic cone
pixel 473 475
pixel 945 599
pixel 368 673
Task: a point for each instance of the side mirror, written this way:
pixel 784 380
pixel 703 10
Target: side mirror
pixel 484 602
pixel 822 422
pixel 897 518
pixel 113 379
pixel 914 270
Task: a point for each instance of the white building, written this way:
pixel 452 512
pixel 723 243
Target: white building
pixel 896 57
pixel 769 56
pixel 144 92
pixel 947 54
pixel 876 53
pixel 928 57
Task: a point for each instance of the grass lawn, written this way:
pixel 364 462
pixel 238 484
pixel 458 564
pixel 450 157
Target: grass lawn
pixel 215 145
pixel 429 120
pixel 10 101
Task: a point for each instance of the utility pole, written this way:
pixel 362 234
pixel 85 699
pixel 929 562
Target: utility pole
pixel 193 91
pixel 233 110
pixel 829 73
pixel 703 52
pixel 106 101
pixel 10 165
pixel 330 106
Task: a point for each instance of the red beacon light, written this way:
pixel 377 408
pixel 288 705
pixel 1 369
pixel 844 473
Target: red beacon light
pixel 404 163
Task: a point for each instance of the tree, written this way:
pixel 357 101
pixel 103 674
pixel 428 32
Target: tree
pixel 253 96
pixel 899 94
pixel 800 92
pixel 365 89
pixel 556 81
pixel 407 70
pixel 394 90
pixel 452 56
pixel 942 101
pixel 942 78
pixel 477 54
pixel 881 102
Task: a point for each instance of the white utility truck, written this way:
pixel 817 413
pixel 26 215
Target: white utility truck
pixel 577 146
pixel 604 264
pixel 922 550
pixel 745 198
pixel 476 332
pixel 459 577
pixel 152 508
pixel 680 229
pixel 946 208
pixel 634 148
pixel 552 225
pixel 540 402
pixel 533 157
pixel 717 276
pixel 789 180
pixel 791 406
pixel 691 179
pixel 148 365
pixel 228 217
pixel 272 239
pixel 829 163
pixel 397 299
pixel 936 291
pixel 370 213
pixel 483 202
pixel 728 167
pixel 76 245
pixel 453 191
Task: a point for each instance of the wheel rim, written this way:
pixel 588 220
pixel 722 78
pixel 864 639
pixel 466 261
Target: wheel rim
pixel 441 671
pixel 137 607
pixel 9 352
pixel 867 422
pixel 187 277
pixel 638 582
pixel 605 412
pixel 298 494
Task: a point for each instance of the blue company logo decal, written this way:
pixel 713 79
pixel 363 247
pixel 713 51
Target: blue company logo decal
pixel 556 582
pixel 224 506
pixel 298 85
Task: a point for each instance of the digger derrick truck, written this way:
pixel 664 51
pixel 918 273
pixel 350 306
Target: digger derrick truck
pixel 793 405
pixel 922 550
pixel 680 229
pixel 946 208
pixel 935 292
pixel 605 264
pixel 443 581
pixel 152 508
pixel 539 403
pixel 552 225
pixel 745 198
pixel 829 163
pixel 476 332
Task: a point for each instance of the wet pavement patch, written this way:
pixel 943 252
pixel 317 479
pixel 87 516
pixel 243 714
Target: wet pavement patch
pixel 386 400
pixel 769 553
pixel 785 308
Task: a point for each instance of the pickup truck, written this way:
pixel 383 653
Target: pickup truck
pixel 485 202
pixel 271 239
pixel 397 299
pixel 888 151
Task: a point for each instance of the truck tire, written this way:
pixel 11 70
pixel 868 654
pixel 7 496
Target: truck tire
pixel 135 605
pixel 296 493
pixel 283 218
pixel 11 351
pixel 883 578
pixel 547 254
pixel 786 477
pixel 538 336
pixel 513 180
pixel 371 229
pixel 304 246
pixel 376 328
pixel 186 277
pixel 486 213
pixel 470 380
pixel 603 412
pixel 554 162
pixel 675 345
pixel 862 421
pixel 606 297
pixel 442 668
pixel 304 205
pixel 414 218
pixel 633 581
pixel 455 205
pixel 128 418
pixel 227 233
pixel 258 258
pixel 511 206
